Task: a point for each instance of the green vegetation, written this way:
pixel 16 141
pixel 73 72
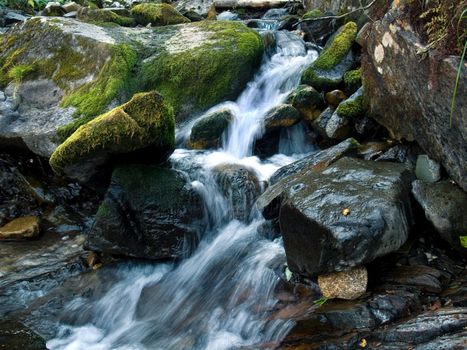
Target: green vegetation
pixel 26 5
pixel 209 73
pixel 312 14
pixel 157 14
pixel 104 17
pixel 352 107
pixel 463 240
pixel 338 48
pixel 353 80
pixel 146 120
pixel 92 98
pixel 320 302
pixel 19 72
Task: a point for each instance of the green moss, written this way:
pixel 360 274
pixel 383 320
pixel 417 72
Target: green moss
pixel 353 80
pixel 92 98
pixel 351 108
pixel 207 74
pixel 313 14
pixel 463 240
pixel 105 17
pixel 146 120
pixel 337 48
pixel 157 14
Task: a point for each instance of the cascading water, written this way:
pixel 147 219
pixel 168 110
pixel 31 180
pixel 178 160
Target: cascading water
pixel 221 297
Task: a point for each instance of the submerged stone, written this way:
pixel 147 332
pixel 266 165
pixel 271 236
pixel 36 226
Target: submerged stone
pixel 21 228
pixel 207 131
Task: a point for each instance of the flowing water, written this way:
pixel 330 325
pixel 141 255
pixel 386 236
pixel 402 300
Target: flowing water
pixel 221 297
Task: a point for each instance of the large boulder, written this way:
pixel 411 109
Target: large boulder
pixel 327 72
pixel 411 99
pixel 344 216
pixel 60 73
pixel 142 128
pixel 148 212
pixel 445 205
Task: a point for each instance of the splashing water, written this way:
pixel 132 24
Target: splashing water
pixel 223 295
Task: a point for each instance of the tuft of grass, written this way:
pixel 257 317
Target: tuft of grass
pixel 18 72
pixel 320 302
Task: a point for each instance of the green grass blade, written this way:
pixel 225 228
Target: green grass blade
pixel 459 70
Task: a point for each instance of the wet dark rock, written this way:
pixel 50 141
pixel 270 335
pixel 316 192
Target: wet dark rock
pixel 319 124
pixel 318 161
pixel 424 278
pixel 14 17
pixel 320 237
pixel 401 153
pixel 288 23
pixel 417 108
pixel 373 150
pixel 240 185
pixel 16 336
pixel 207 131
pixel 26 227
pixel 445 206
pixel 192 15
pixel 280 117
pixel 148 212
pixel 17 196
pixel 318 31
pixel 366 126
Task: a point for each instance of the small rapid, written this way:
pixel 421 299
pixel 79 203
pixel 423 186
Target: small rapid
pixel 222 296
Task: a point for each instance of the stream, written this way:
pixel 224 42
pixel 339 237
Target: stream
pixel 220 297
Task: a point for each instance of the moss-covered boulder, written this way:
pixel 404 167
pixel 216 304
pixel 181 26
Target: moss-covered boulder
pixel 280 117
pixel 327 72
pixel 307 101
pixel 353 80
pixel 80 70
pixel 157 14
pixel 352 107
pixel 104 16
pixel 207 131
pixel 141 129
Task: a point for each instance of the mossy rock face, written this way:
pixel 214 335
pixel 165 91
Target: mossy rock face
pixel 353 106
pixel 353 80
pixel 104 16
pixel 157 14
pixel 307 101
pixel 91 69
pixel 327 72
pixel 281 116
pixel 207 132
pixel 213 66
pixel 144 126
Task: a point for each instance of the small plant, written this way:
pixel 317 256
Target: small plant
pixel 320 302
pixel 18 73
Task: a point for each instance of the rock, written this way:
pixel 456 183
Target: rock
pixel 338 127
pixel 20 229
pixel 424 278
pixel 353 106
pixel 353 80
pixel 82 70
pixel 281 116
pixel 14 17
pixel 17 197
pixel 148 212
pixel 192 15
pixel 307 101
pixel 143 128
pixel 240 185
pixel 334 97
pixel 16 336
pixel 53 9
pixel 72 14
pixel 445 205
pixel 71 7
pixel 416 109
pixel 200 6
pixel 157 14
pixel 427 169
pixel 319 124
pixel 373 150
pixel 401 153
pixel 207 131
pixel 366 127
pixel 104 16
pixel 228 16
pixel 346 215
pixel 317 31
pixel 318 161
pixel 327 72
pixel 289 23
pixel 347 285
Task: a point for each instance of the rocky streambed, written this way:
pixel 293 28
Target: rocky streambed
pixel 208 176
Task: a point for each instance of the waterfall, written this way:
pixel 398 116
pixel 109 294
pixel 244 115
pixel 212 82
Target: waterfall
pixel 221 296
